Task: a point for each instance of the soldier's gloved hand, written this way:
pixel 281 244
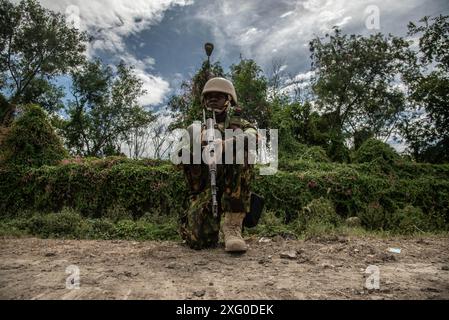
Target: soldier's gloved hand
pixel 217 140
pixel 219 143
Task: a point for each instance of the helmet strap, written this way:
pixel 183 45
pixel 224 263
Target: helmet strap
pixel 231 100
pixel 228 103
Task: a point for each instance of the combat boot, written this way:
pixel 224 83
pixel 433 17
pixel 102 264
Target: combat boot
pixel 232 231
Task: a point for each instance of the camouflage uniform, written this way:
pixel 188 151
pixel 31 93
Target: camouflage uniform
pixel 199 228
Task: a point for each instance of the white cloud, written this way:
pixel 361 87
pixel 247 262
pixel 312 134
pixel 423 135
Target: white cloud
pixel 289 13
pixel 110 22
pixel 249 36
pixel 264 36
pixel 314 5
pixel 306 76
pixel 344 21
pixel 156 86
pixel 140 64
pixel 400 147
pixel 153 138
pixel 300 81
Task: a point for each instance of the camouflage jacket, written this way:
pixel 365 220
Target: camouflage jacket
pixel 233 120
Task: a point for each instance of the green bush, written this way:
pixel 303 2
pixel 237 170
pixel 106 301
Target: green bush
pixel 373 149
pixel 352 188
pixel 120 189
pixel 374 217
pixel 99 229
pixel 94 189
pixel 70 224
pixel 67 223
pixel 32 141
pixel 117 212
pixel 318 214
pixel 409 220
pixel 302 152
pixel 315 154
pixel 321 210
pixel 304 165
pixel 338 151
pixel 271 225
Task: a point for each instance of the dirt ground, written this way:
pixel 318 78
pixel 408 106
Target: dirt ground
pixel 332 268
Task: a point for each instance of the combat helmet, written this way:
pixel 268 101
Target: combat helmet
pixel 220 85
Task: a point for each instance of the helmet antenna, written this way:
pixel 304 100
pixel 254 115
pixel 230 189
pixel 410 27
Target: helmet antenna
pixel 209 48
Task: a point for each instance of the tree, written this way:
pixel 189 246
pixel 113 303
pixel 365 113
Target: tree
pixel 252 90
pixel 105 110
pixel 45 94
pixel 36 45
pixel 434 41
pixel 276 79
pixel 249 82
pixel 427 131
pixel 283 121
pixel 186 106
pixel 356 81
pixel 162 139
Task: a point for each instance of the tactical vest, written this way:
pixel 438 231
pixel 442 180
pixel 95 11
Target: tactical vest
pixel 234 121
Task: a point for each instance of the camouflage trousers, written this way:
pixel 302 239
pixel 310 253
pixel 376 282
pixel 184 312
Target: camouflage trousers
pixel 199 228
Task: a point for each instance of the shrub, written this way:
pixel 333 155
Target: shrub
pixel 117 212
pixel 99 229
pixel 337 151
pixel 114 187
pixel 373 149
pixel 315 154
pixel 67 223
pixel 409 220
pixel 318 213
pixel 70 224
pixel 32 141
pixel 373 217
pixel 94 189
pixel 271 225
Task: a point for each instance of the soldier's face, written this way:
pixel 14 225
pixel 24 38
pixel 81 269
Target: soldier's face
pixel 216 101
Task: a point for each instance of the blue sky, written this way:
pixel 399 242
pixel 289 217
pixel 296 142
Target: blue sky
pixel 164 39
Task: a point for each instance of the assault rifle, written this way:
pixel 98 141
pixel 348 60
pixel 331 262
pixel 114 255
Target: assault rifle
pixel 210 124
